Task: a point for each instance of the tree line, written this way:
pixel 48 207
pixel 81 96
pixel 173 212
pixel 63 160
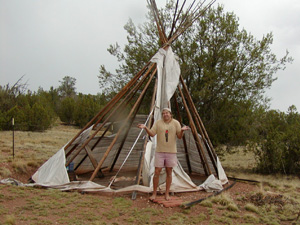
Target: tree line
pixel 227 72
pixel 38 111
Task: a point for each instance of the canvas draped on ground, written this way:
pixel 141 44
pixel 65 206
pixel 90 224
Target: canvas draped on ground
pixel 53 173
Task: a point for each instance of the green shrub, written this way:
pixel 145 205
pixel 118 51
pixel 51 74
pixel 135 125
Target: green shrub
pixel 40 120
pixel 87 106
pixel 66 110
pixel 278 147
pixel 31 112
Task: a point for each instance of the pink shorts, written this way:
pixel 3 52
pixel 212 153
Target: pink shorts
pixel 164 159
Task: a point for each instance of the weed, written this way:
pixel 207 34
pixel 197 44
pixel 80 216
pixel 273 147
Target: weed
pixel 232 215
pixel 131 220
pixel 19 191
pixel 177 218
pixel 111 214
pixel 122 203
pixel 223 199
pixel 7 150
pixel 197 219
pixel 7 197
pixel 186 211
pixel 251 208
pixel 2 197
pixel 210 211
pixel 139 217
pixel 250 218
pixel 3 210
pixel 10 219
pixel 154 212
pixel 4 172
pixel 33 164
pixel 20 166
pixel 224 220
pixel 68 220
pixel 142 216
pixel 207 203
pixel 98 223
pixel 289 212
pixel 232 207
pixel 241 198
pixel 267 219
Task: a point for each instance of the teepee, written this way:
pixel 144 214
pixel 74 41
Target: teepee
pixel 109 150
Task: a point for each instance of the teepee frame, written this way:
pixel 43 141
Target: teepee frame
pixel 139 84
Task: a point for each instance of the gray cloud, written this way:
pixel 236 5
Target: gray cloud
pixel 50 39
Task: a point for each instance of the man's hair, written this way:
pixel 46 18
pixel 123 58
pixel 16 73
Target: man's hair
pixel 166 109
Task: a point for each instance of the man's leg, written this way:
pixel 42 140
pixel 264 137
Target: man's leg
pixel 168 182
pixel 155 182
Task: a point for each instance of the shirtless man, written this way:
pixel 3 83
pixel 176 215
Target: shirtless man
pixel 166 129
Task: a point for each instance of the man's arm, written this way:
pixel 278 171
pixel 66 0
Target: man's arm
pixel 180 134
pixel 150 132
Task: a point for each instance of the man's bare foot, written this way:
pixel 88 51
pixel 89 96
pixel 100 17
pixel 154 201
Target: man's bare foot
pixel 152 197
pixel 167 197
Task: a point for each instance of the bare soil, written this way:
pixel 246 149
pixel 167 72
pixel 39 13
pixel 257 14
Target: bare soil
pixel 20 205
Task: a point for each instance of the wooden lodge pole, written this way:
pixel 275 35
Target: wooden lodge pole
pixel 125 136
pixel 100 127
pixel 160 28
pixel 195 133
pixel 183 138
pixel 99 139
pixel 141 162
pixel 117 96
pixel 117 135
pixel 200 124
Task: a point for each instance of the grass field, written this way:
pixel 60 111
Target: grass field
pixel 272 200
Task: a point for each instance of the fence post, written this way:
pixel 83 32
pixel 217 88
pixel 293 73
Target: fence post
pixel 13 128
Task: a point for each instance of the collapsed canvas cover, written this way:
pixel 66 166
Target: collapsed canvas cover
pixel 53 173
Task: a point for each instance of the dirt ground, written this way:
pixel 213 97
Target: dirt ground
pixel 106 206
pixel 25 205
pixel 105 211
pixel 14 205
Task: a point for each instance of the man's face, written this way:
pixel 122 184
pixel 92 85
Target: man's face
pixel 166 115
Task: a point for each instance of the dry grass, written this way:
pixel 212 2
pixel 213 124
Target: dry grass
pixel 4 172
pixel 239 162
pixel 20 166
pixel 251 208
pixel 275 200
pixel 35 147
pixel 10 219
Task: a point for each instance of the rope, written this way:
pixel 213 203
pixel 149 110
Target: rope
pixel 136 140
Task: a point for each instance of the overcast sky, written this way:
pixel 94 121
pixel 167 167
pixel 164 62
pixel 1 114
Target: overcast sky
pixel 46 40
